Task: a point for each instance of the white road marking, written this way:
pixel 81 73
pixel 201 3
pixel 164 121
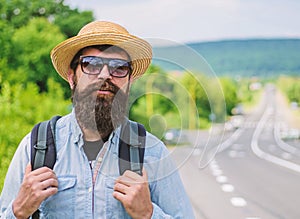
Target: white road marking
pixel 227 188
pixel 221 179
pixel 238 202
pixel 214 167
pixel 263 155
pixel 217 172
pixel 284 146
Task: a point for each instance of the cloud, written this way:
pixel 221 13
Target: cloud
pixel 171 19
pixel 194 20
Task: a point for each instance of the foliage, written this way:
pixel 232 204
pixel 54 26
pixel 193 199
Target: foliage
pixel 20 108
pixel 197 102
pixel 208 95
pixel 30 29
pixel 151 99
pixel 291 87
pixel 185 101
pixel 230 89
pixel 33 63
pixel 5 38
pixel 19 12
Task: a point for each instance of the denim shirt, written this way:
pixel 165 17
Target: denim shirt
pixel 79 197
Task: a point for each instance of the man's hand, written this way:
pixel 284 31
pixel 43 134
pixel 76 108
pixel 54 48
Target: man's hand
pixel 132 191
pixel 37 186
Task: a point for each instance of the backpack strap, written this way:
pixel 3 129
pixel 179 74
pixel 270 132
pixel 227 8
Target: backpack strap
pixel 132 147
pixel 40 146
pixel 43 150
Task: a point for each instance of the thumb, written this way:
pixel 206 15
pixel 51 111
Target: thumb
pixel 145 175
pixel 28 168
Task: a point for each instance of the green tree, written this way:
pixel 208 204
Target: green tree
pixel 229 88
pixel 19 12
pixel 20 108
pixel 26 24
pixel 291 87
pixel 5 45
pixel 32 44
pixel 152 101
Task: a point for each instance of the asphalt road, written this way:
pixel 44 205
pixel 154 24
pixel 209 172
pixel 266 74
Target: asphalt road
pixel 247 173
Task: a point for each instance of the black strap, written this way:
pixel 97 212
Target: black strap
pixel 131 147
pixel 41 146
pixel 43 150
pixel 36 214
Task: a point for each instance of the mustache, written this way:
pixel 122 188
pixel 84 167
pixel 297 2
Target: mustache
pixel 109 86
pixel 99 85
pixel 104 86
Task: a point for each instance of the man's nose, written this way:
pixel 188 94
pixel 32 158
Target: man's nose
pixel 104 73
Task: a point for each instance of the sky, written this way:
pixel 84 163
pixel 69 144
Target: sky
pixel 186 21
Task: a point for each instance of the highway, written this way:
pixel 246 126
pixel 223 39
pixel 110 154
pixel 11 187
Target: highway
pixel 245 173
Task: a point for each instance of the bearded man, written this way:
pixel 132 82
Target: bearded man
pixel 99 65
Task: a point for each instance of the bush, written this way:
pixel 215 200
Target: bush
pixel 22 106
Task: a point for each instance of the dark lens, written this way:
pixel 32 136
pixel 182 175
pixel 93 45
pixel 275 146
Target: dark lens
pixel 119 68
pixel 91 65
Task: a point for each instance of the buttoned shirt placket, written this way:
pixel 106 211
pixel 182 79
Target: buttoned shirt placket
pixel 95 170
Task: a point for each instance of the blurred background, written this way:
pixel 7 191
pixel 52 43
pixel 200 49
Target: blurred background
pixel 222 92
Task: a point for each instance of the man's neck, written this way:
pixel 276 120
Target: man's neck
pixel 91 135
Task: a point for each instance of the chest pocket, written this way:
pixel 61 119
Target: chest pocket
pixel 114 208
pixel 62 204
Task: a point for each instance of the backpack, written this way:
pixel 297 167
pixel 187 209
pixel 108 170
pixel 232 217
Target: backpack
pixel 131 147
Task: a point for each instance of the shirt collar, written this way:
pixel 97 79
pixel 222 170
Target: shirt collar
pixel 78 135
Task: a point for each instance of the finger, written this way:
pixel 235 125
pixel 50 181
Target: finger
pixel 119 196
pixel 119 187
pixel 41 170
pixel 49 183
pixel 126 181
pixel 49 192
pixel 145 175
pixel 46 175
pixel 28 169
pixel 132 175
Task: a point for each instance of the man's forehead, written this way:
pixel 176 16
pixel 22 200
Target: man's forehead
pixel 104 49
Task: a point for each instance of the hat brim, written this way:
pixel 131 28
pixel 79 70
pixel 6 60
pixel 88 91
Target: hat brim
pixel 139 50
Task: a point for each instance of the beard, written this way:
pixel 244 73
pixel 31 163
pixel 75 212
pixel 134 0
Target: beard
pixel 99 112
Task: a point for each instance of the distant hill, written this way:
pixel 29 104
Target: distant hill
pixel 254 57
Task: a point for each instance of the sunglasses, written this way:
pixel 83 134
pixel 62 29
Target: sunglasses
pixel 93 65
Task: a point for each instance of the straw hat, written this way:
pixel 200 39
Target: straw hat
pixel 100 33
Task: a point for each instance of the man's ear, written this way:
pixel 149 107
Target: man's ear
pixel 71 78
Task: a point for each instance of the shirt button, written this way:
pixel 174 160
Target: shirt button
pixel 90 189
pixel 100 159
